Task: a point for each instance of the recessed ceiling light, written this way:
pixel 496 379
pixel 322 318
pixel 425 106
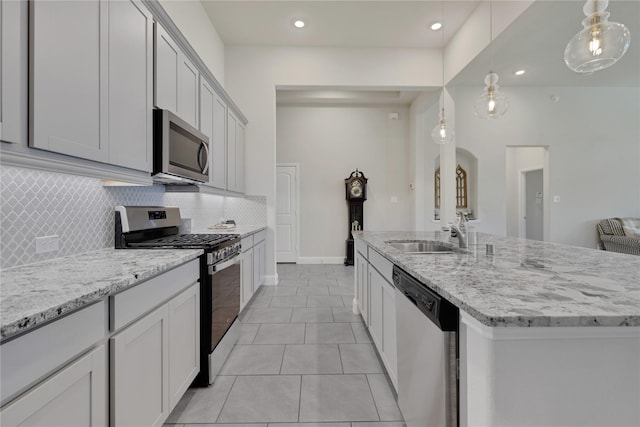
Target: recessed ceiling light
pixel 520 72
pixel 436 26
pixel 298 23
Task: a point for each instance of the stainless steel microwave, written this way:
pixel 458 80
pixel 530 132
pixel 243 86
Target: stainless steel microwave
pixel 180 151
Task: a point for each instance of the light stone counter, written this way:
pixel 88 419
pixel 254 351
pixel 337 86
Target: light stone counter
pixel 242 230
pixel 526 283
pixel 37 293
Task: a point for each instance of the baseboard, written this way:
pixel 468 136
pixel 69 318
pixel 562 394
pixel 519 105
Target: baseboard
pixel 271 280
pixel 320 260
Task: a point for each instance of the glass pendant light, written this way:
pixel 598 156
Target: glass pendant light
pixel 600 43
pixel 440 133
pixel 492 104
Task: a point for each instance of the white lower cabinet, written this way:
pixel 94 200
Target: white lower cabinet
pixel 259 252
pixel 375 306
pixel 362 280
pixel 140 372
pixel 154 360
pixel 184 342
pixel 377 303
pixel 74 396
pixel 246 277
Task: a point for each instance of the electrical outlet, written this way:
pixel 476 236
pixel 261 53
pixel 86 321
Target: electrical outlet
pixel 47 244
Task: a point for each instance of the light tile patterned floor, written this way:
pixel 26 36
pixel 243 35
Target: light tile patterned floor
pixel 303 360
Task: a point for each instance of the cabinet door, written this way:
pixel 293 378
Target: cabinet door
pixel 263 261
pixel 256 268
pixel 389 346
pixel 167 64
pixel 68 56
pixel 246 278
pixel 218 145
pixel 363 287
pixel 207 103
pixel 184 342
pixel 75 396
pixel 140 372
pixel 375 307
pixel 188 78
pixel 240 157
pixel 13 71
pixel 232 152
pixel 130 84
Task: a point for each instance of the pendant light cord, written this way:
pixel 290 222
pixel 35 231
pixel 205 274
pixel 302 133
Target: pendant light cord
pixel 491 35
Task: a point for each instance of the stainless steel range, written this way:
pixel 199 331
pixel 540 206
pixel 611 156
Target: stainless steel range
pixel 156 227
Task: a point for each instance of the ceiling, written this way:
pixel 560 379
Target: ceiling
pixel 535 41
pixel 355 23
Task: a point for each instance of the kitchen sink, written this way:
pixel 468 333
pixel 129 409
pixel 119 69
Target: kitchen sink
pixel 421 246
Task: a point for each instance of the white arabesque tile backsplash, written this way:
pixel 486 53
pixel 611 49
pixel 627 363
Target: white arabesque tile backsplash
pixel 79 210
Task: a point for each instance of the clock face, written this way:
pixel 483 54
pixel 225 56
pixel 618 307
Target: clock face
pixel 356 189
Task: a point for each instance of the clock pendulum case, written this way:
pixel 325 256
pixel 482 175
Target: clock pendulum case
pixel 356 194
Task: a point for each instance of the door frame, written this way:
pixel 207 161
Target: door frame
pixel 522 223
pixel 295 165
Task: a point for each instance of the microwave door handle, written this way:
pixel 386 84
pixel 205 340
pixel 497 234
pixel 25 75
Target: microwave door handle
pixel 206 149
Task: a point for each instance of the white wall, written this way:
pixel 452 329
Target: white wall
pixel 194 23
pixel 252 74
pixel 519 159
pixel 593 136
pixel 329 143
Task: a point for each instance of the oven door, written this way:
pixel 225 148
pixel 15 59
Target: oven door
pixel 225 297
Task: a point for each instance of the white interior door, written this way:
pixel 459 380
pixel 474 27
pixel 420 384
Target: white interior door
pixel 286 213
pixel 534 204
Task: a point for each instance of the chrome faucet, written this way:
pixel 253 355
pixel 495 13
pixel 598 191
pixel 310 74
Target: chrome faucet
pixel 461 231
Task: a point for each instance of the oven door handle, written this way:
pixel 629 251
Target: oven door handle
pixel 214 268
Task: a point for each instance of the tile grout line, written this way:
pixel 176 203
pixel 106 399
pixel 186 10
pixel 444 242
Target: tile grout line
pixel 227 398
pixel 300 399
pixel 372 396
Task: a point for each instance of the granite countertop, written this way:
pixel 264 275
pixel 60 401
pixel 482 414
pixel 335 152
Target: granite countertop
pixel 527 282
pixel 242 230
pixel 37 293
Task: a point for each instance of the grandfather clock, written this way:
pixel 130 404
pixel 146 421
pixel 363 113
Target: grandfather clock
pixel 356 193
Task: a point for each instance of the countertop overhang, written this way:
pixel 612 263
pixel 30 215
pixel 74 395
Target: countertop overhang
pixel 526 283
pixel 35 294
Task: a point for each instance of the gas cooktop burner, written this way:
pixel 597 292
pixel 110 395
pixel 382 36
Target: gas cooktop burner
pixel 195 241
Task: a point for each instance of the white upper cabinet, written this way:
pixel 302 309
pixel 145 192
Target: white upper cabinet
pixel 92 80
pixel 240 157
pixel 235 153
pixel 188 91
pixel 130 85
pixel 177 79
pixel 218 147
pixel 13 71
pixel 69 56
pixel 213 114
pixel 167 63
pixel 232 126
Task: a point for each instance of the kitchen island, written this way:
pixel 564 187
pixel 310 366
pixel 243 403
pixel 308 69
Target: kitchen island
pixel 549 334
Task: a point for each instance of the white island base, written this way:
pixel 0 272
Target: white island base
pixel 549 376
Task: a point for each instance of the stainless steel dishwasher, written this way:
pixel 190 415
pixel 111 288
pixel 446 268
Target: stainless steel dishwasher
pixel 427 337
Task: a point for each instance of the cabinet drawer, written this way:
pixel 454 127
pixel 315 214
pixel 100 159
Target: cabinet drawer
pixel 362 247
pixel 259 236
pixel 30 357
pixel 247 243
pixel 383 265
pixel 132 303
